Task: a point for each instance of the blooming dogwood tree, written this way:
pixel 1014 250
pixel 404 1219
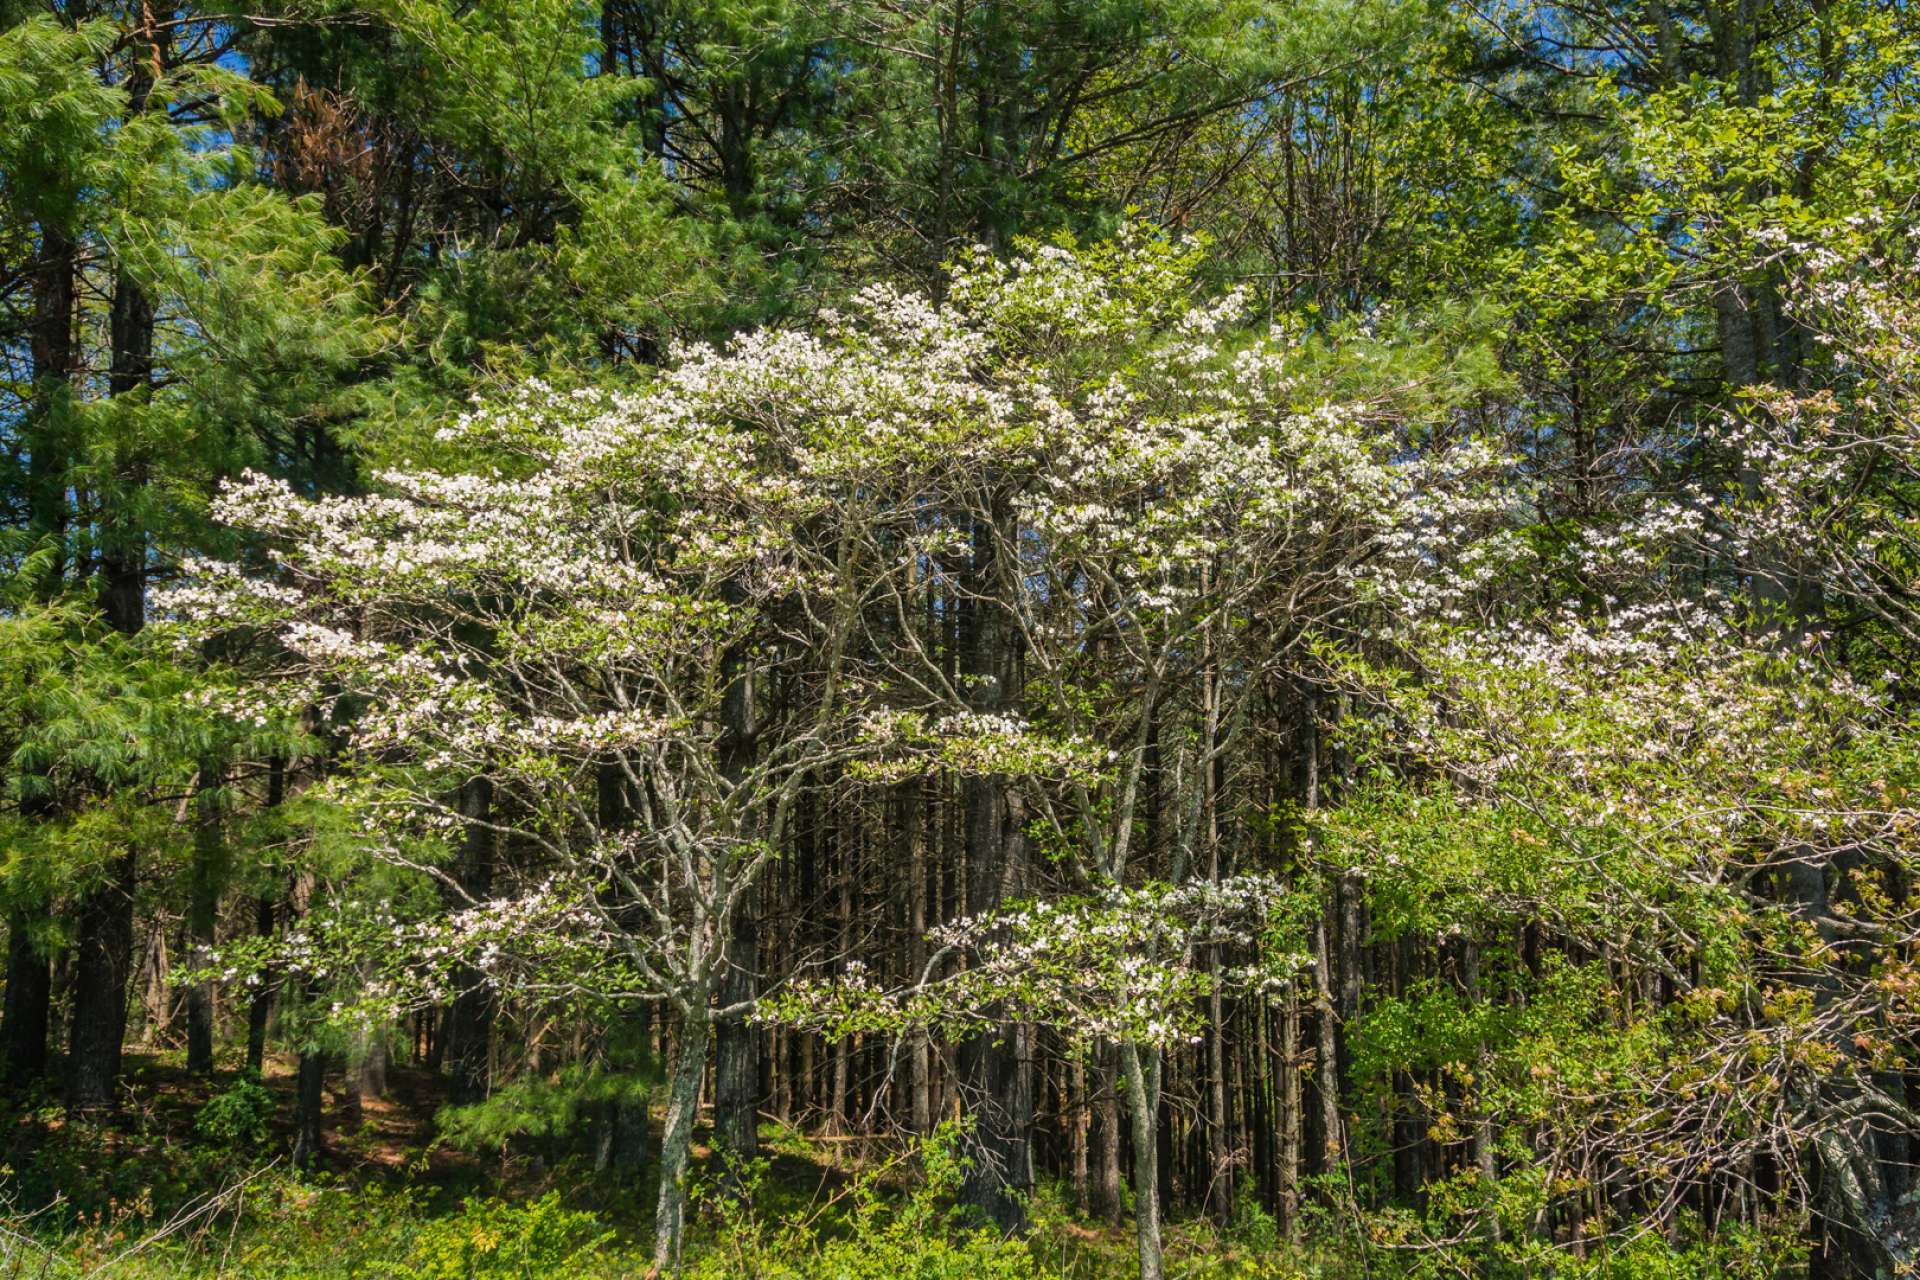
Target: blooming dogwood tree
pixel 651 621
pixel 605 609
pixel 1706 786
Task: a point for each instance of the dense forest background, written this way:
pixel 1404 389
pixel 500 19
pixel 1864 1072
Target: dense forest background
pixel 960 638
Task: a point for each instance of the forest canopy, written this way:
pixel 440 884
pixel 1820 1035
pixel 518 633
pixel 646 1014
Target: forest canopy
pixel 821 637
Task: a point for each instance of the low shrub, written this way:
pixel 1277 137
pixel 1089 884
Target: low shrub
pixel 238 1117
pixel 493 1240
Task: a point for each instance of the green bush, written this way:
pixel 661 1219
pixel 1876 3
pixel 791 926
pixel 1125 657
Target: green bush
pixel 919 1235
pixel 492 1240
pixel 238 1116
pixel 1253 1229
pixel 1732 1251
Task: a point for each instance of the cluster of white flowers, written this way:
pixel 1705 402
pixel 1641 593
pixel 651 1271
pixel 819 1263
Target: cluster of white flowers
pixel 971 743
pixel 1121 965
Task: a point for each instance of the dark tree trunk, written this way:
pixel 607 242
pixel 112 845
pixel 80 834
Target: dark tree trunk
pixel 53 353
pixel 103 961
pixel 438 1022
pixel 994 1065
pixel 260 1008
pixel 1220 1151
pixel 23 1026
pixel 309 1105
pixel 123 542
pixel 1109 1201
pixel 207 874
pixel 917 838
pixel 736 1053
pixel 1332 1147
pixel 1291 1121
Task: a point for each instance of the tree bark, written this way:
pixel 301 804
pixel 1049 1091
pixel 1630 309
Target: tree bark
pixel 676 1143
pixel 1328 1072
pixel 993 1064
pixel 23 1025
pixel 1219 1136
pixel 54 358
pixel 103 962
pixel 260 1008
pixel 205 877
pixel 1107 1111
pixel 1143 1104
pixel 736 1060
pixel 1288 1178
pixel 1079 1113
pixel 919 1052
pixel 309 1104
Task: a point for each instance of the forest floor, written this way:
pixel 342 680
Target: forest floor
pixel 189 1179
